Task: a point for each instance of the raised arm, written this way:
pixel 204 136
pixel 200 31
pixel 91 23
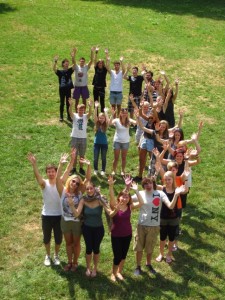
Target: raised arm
pixel 54 67
pixel 96 112
pixel 39 178
pixel 112 199
pixel 71 108
pixel 90 109
pixel 177 193
pixel 107 62
pixel 176 90
pixel 140 202
pixel 76 211
pixel 91 57
pixel 59 182
pixel 125 76
pixel 73 56
pixel 167 80
pixel 199 130
pixel 88 171
pixel 96 56
pixel 69 165
pixel 122 65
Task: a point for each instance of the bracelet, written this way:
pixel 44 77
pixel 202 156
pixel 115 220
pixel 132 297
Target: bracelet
pixel 156 131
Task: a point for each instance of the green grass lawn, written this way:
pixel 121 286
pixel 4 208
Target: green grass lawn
pixel 186 39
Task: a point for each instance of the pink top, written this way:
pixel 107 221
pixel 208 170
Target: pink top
pixel 121 223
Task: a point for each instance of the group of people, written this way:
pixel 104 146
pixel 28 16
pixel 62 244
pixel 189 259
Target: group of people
pixel 73 205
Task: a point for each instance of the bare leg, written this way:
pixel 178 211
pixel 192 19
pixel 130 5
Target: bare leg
pixel 57 247
pixel 96 260
pixel 84 102
pixel 124 159
pixel 148 258
pixel 139 257
pixel 76 103
pixel 69 246
pixel 88 264
pixel 142 161
pixel 118 109
pixel 76 249
pixel 47 248
pixel 116 158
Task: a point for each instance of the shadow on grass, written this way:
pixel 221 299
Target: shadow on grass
pixel 202 8
pixel 6 8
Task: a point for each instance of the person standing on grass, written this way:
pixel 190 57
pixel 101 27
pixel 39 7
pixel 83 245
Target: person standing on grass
pixel 149 220
pixel 121 138
pixel 121 230
pixel 51 211
pixel 79 132
pixel 65 84
pixel 99 80
pixel 100 140
pixel 135 88
pixel 116 84
pixel 73 189
pixel 92 204
pixel 81 78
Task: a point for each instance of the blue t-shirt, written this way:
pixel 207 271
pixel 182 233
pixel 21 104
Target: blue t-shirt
pixel 100 137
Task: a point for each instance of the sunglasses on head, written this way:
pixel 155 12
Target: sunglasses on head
pixel 74 181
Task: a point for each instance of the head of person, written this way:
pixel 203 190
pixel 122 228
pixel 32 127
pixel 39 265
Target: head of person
pixel 101 122
pixel 124 119
pixel 116 65
pixel 179 155
pixel 178 135
pixel 157 84
pixel 51 171
pixel 169 180
pixel 73 184
pixel 124 197
pixel 134 71
pixel 171 91
pixel 160 101
pixel 100 64
pixel 173 167
pixel 182 145
pixel 149 75
pixel 82 61
pixel 90 188
pixel 163 128
pixel 81 109
pixel 145 107
pixel 148 184
pixel 65 64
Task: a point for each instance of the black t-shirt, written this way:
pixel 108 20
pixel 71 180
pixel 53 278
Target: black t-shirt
pixel 65 80
pixel 99 79
pixel 135 85
pixel 167 213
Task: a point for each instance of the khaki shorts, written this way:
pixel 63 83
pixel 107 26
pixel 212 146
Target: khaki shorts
pixel 71 227
pixel 145 237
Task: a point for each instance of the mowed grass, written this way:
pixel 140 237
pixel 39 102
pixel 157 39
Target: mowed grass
pixel 187 41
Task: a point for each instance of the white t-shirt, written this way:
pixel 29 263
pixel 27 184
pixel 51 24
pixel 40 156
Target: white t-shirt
pixel 81 76
pixel 149 214
pixel 51 200
pixel 116 84
pixel 122 133
pixel 79 129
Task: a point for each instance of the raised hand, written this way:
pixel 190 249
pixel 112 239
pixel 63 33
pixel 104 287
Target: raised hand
pixel 177 81
pixel 134 186
pixel 70 101
pixel 96 104
pixel 63 158
pixel 127 180
pixel 106 109
pixel 31 158
pixel 106 51
pixel 179 190
pixel 121 58
pixel 84 161
pixel 56 58
pixel 93 49
pixel 110 180
pixel 162 72
pixel 90 103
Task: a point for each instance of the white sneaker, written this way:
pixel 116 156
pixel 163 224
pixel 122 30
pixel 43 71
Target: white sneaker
pixel 102 173
pixel 95 172
pixel 56 260
pixel 113 173
pixel 47 261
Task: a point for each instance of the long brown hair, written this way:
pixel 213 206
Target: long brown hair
pixel 127 120
pixel 103 126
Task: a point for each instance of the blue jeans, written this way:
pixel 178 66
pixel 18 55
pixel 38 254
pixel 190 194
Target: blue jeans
pixel 97 149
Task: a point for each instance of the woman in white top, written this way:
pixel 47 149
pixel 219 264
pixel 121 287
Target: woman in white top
pixel 71 227
pixel 121 138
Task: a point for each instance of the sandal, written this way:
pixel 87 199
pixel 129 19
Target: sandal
pixel 74 267
pixel 68 267
pixel 93 274
pixel 88 273
pixel 119 276
pixel 159 258
pixel 168 259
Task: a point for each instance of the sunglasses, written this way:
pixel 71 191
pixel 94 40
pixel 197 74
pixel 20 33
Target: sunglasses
pixel 124 109
pixel 74 181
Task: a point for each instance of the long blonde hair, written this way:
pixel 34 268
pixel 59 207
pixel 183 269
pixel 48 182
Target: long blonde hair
pixel 171 175
pixel 127 120
pixel 67 185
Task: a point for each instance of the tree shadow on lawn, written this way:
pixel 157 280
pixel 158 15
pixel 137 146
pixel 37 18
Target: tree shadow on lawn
pixel 202 9
pixel 6 8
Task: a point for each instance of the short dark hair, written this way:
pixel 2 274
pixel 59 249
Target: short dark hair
pixel 135 68
pixel 116 62
pixel 50 166
pixel 65 60
pixel 82 58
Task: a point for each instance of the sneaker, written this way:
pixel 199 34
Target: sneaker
pixel 138 271
pixel 95 172
pixel 56 260
pixel 60 119
pixel 151 270
pixel 122 173
pixel 175 248
pixel 102 173
pixel 113 173
pixel 73 171
pixel 137 179
pixel 47 261
pixel 81 171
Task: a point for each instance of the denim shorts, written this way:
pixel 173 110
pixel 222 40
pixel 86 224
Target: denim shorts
pixel 120 146
pixel 116 98
pixel 147 144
